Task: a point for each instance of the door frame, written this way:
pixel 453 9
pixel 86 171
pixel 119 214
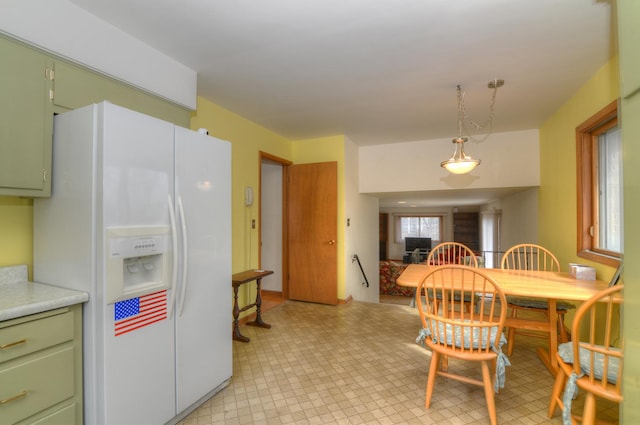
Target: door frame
pixel 273 159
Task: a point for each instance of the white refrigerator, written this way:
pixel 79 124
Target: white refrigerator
pixel 140 218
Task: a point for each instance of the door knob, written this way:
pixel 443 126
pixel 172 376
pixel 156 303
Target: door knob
pixel 332 242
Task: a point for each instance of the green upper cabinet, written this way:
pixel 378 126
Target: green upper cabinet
pixel 33 86
pixel 26 121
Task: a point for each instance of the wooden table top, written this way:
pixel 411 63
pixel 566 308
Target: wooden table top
pixel 538 284
pixel 249 275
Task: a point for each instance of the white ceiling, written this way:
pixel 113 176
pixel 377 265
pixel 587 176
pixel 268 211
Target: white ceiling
pixel 377 71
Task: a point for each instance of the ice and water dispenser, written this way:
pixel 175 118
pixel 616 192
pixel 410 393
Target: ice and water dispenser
pixel 138 261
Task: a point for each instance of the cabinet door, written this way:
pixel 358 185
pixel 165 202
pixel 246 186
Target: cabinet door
pixel 26 121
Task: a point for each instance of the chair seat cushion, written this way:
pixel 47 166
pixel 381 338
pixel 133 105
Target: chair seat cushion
pixel 538 303
pixel 462 336
pixel 565 351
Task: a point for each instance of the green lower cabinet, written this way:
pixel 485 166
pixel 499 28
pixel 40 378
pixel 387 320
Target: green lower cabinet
pixel 63 416
pixel 41 368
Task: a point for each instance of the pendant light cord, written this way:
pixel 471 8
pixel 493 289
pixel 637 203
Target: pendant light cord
pixel 464 118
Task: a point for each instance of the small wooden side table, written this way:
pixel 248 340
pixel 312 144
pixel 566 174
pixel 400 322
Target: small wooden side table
pixel 240 279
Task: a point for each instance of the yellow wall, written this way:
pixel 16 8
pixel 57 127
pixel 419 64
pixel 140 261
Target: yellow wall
pixel 557 207
pixel 247 140
pixel 16 232
pixel 328 149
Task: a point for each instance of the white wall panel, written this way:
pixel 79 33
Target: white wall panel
pixel 508 160
pixel 66 30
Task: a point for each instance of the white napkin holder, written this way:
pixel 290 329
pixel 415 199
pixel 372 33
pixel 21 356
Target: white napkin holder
pixel 582 271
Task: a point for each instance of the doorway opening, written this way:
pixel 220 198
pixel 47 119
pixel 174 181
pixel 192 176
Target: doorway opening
pixel 272 242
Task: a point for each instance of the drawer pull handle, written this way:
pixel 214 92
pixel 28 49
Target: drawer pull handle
pixel 14 398
pixel 12 344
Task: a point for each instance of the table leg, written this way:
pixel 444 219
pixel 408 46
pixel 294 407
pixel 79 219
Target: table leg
pixel 548 356
pixel 258 322
pixel 236 312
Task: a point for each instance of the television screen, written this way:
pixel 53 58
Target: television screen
pixel 411 244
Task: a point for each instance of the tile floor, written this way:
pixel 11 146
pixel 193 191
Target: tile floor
pixel 358 364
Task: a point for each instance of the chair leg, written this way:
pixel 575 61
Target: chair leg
pixel 589 412
pixel 488 392
pixel 511 335
pixel 431 380
pixel 556 393
pixel 564 335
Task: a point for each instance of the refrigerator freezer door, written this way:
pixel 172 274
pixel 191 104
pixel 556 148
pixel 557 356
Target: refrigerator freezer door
pixel 135 176
pixel 137 161
pixel 203 314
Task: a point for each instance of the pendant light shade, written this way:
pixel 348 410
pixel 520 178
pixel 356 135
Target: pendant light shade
pixel 460 162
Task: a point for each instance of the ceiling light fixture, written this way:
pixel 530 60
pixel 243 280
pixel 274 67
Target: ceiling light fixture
pixel 460 162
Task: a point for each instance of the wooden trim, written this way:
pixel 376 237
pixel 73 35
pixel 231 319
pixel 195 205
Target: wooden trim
pixel 269 157
pixel 267 294
pixel 605 114
pixel 345 301
pixel 285 163
pixel 285 231
pixel 586 154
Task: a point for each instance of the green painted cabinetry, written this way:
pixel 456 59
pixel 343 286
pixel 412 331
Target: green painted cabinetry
pixel 41 368
pixel 35 85
pixel 26 121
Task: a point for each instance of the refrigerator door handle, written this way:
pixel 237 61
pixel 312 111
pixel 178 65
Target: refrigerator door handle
pixel 185 255
pixel 174 255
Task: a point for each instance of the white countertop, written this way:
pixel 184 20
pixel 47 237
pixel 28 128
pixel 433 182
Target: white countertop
pixel 18 297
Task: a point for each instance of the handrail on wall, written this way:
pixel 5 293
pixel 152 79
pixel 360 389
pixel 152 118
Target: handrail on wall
pixel 356 258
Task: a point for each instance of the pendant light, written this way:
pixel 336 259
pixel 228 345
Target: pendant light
pixel 460 162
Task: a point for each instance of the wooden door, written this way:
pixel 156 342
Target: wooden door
pixel 313 228
pixel 466 229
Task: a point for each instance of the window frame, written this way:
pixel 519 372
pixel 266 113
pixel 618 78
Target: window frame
pixel 587 189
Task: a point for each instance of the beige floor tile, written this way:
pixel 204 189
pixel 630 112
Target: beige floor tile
pixel 359 364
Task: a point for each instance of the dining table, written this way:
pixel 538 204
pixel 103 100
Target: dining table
pixel 552 286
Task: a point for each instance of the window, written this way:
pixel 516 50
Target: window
pixel 419 226
pixel 599 166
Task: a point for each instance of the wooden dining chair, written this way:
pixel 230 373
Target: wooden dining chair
pixel 469 331
pixel 533 257
pixel 451 253
pixel 597 369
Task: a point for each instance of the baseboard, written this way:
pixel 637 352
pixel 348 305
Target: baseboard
pixel 345 301
pixel 271 294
